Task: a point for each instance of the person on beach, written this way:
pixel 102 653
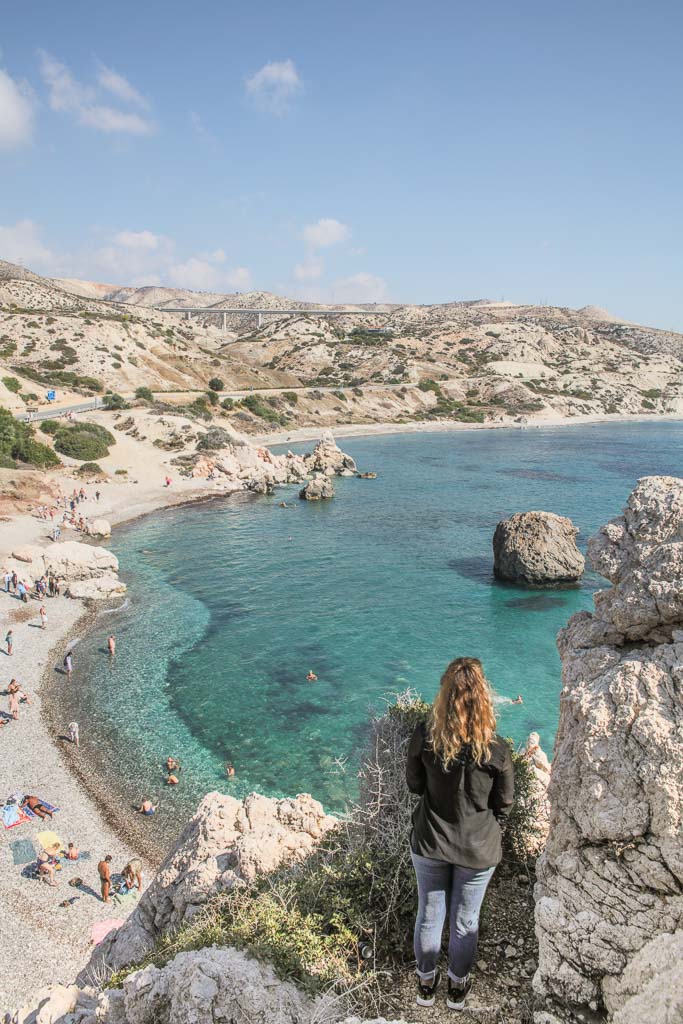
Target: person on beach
pixel 72 852
pixel 43 617
pixel 111 645
pixel 74 735
pixel 8 579
pixel 463 773
pixel 97 495
pixel 147 807
pixel 46 870
pixel 35 805
pixel 23 593
pixel 132 874
pixel 15 581
pixel 68 664
pixel 104 871
pixel 9 641
pixel 13 701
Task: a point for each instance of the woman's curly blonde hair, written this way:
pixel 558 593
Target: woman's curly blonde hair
pixel 462 713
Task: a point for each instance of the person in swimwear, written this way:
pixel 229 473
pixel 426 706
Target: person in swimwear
pixel 147 807
pixel 312 677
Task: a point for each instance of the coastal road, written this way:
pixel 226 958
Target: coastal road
pixel 51 412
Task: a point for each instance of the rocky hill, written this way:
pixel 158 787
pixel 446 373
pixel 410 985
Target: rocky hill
pixel 464 361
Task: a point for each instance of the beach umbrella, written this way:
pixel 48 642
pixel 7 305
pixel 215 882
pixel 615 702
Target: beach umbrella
pixel 50 842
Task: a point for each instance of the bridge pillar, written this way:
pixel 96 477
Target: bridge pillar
pixel 225 322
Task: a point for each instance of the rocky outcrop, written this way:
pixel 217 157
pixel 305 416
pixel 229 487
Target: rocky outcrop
pixel 222 985
pixel 226 843
pixel 328 458
pixel 88 571
pixel 539 766
pixel 99 528
pixel 318 488
pixel 537 548
pixel 244 467
pixel 609 912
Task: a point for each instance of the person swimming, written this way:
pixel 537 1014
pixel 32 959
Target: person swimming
pixel 312 677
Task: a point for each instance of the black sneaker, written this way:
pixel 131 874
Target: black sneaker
pixel 457 993
pixel 426 990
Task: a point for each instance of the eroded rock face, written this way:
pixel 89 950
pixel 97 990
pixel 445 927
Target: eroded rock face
pixel 88 571
pixel 319 488
pixel 226 843
pixel 609 911
pixel 328 458
pixel 537 548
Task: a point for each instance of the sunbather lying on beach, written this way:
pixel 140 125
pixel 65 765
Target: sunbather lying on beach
pixel 34 804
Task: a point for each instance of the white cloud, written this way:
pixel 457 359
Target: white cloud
pixel 21 243
pixel 119 86
pixel 67 95
pixel 310 270
pixel 16 112
pixel 326 231
pixel 201 273
pixel 274 86
pixel 139 239
pixel 360 288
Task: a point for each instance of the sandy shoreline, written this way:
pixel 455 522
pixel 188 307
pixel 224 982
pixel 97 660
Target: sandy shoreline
pixel 55 940
pixel 301 434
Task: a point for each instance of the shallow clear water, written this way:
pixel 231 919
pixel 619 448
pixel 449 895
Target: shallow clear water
pixel 231 603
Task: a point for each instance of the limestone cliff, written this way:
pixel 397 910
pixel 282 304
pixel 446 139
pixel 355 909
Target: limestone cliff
pixel 609 913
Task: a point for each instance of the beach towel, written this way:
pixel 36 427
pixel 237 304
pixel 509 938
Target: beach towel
pixel 101 929
pixel 45 804
pixel 13 815
pixel 126 900
pixel 50 842
pixel 22 851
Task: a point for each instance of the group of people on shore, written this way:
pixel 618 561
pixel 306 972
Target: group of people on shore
pixel 65 512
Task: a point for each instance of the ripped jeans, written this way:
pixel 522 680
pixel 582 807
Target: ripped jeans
pixel 442 889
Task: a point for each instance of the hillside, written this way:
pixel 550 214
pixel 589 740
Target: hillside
pixel 469 361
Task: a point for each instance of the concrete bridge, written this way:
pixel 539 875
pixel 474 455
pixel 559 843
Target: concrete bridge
pixel 260 313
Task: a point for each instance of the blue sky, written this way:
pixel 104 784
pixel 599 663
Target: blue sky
pixel 350 151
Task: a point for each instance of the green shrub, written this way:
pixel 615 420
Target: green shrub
pixel 12 384
pixel 429 385
pixel 18 444
pixel 112 400
pixel 84 441
pixel 216 384
pixel 255 406
pixel 228 404
pixel 49 427
pixel 291 397
pixel 200 409
pixel 90 469
pixel 212 397
pixel 144 394
pixel 652 393
pixel 340 395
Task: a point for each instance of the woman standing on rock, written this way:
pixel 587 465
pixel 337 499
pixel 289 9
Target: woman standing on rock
pixel 463 773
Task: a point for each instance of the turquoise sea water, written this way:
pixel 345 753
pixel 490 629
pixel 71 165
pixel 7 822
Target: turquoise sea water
pixel 231 603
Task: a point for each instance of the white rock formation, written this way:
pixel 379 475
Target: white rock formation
pixel 319 488
pixel 88 571
pixel 99 528
pixel 328 458
pixel 537 548
pixel 609 912
pixel 226 843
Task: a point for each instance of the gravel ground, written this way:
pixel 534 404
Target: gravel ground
pixel 42 941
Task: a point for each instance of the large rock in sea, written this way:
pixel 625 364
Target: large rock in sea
pixel 328 458
pixel 609 910
pixel 317 489
pixel 537 548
